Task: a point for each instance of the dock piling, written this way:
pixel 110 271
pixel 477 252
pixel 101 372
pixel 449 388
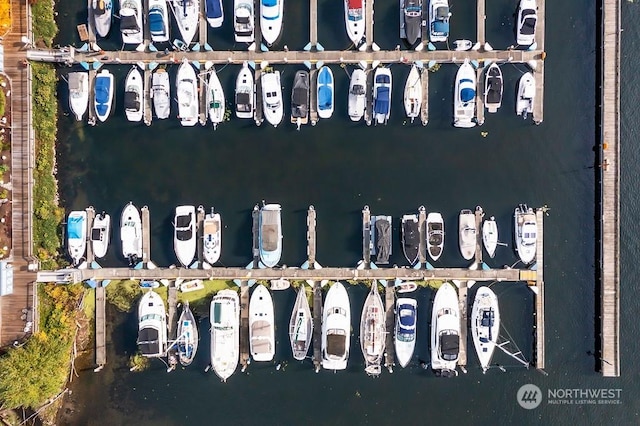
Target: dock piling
pixel 255 216
pixel 148 110
pixel 424 112
pixel 172 300
pixel 200 236
pixel 422 230
pixel 539 293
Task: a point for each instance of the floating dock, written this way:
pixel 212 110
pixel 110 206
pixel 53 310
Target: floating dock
pixel 479 214
pixel 146 236
pixel 311 236
pixel 317 326
pixel 366 236
pixel 389 306
pixel 91 213
pixel 101 339
pixel 172 323
pixel 462 305
pixel 244 325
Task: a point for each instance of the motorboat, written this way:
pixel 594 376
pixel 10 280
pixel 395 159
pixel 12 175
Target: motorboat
pixel 373 331
pixel 215 99
pixel 406 286
pixel 77 235
pixel 191 285
pixel 102 16
pixel 485 325
pixel 214 12
pixel 211 234
pixel 410 238
pixel 100 234
pixel 133 95
pixel 103 94
pixel 526 95
pixel 490 236
pixel 336 328
pixel 405 329
pixel 439 15
pixel 78 93
pixel 184 234
pixel 527 19
pixel 445 331
pixel 272 97
pixel 187 14
pixel 131 21
pixel 435 235
pixel 270 235
pixel 354 20
pixel 161 93
pixel 493 87
pixel 300 98
pixel 271 20
pixel 279 284
pixel 357 90
pixel 244 92
pixel 187 341
pixel 526 233
pixel 301 326
pixel 413 93
pixel 380 242
pixel 261 325
pixel 382 95
pixel 467 233
pixel 187 93
pixel 131 234
pixel 325 95
pixel 462 45
pixel 224 315
pixel 243 21
pixel 412 14
pixel 464 100
pixel 159 21
pixel 152 325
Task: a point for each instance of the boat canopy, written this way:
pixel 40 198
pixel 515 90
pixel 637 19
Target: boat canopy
pixel 96 234
pixel 383 228
pixel 156 22
pixel 243 102
pixel 214 9
pixel 300 96
pixel 129 24
pixel 102 89
pixel 467 93
pixel 148 341
pixel 494 90
pixel 183 221
pixel 75 81
pixel 441 27
pixel 131 100
pixel 325 98
pixel 529 25
pixel 357 89
pixel 449 346
pixel 336 342
pixel 325 77
pixel 442 13
pixel 407 316
pixel 269 3
pixel 100 8
pixel 355 4
pixel 383 79
pixel 382 104
pixel 75 226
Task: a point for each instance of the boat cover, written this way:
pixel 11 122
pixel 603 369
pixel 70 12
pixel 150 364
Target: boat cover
pixel 102 90
pixel 383 78
pixel 529 25
pixel 494 90
pixel 441 27
pixel 435 234
pixel 131 100
pixel 75 81
pixel 357 89
pixel 129 24
pixel 442 13
pixel 269 3
pixel 355 4
pixel 100 8
pixel 300 96
pixel 325 97
pixel 336 343
pixel 214 9
pixel 382 102
pixel 383 237
pixel 96 234
pixel 411 233
pixel 75 226
pixel 407 318
pixel 261 337
pixel 449 346
pixel 148 341
pixel 243 102
pixel 467 93
pixel 183 221
pixel 156 24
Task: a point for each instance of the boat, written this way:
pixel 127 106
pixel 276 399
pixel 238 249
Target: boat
pixel 336 328
pixel 445 331
pixel 357 90
pixel 244 92
pixel 261 325
pixel 187 14
pixel 462 45
pixel 526 231
pixel 467 233
pixel 380 241
pixel 102 16
pixel 191 285
pixel 439 15
pixel 464 101
pixel 133 95
pixel 243 21
pixel 280 284
pixel 215 13
pixel 187 93
pixel 149 284
pixel 301 326
pixel 103 94
pixel 300 98
pixel 272 97
pixel 526 95
pixel 78 93
pixel 161 93
pixel 405 329
pixel 224 316
pixel 325 95
pixel 158 21
pixel 435 235
pixel 485 325
pixel 382 95
pixel 413 93
pixel 271 20
pixel 526 22
pixel 493 87
pixel 211 234
pixel 373 331
pixel 131 21
pixel 490 236
pixel 354 20
pixel 184 234
pixel 100 234
pixel 412 13
pixel 131 234
pixel 77 235
pixel 215 99
pixel 270 235
pixel 152 325
pixel 187 344
pixel 410 238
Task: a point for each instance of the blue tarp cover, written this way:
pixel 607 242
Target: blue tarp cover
pixel 156 26
pixel 269 3
pixel 325 98
pixel 467 94
pixel 441 27
pixel 214 9
pixel 382 101
pixel 102 89
pixel 410 318
pixel 383 78
pixel 325 77
pixel 75 225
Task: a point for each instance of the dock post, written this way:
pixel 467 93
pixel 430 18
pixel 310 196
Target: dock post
pixel 91 213
pixel 244 325
pixel 317 325
pixel 424 112
pixel 366 236
pixel 390 299
pixel 311 236
pixel 172 300
pixel 146 236
pixel 539 293
pixel 101 352
pixel 462 304
pixel 479 213
pixel 255 216
pixel 200 236
pixel 422 230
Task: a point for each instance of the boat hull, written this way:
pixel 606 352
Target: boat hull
pixel 467 234
pixel 261 325
pixel 78 93
pixel 187 336
pixel 438 23
pixel 485 325
pixel 435 235
pixel 445 331
pixel 325 96
pixel 410 238
pixel 526 95
pixel 525 224
pixel 336 328
pixel 152 326
pixel 382 85
pixel 464 102
pixel 77 235
pixel 490 236
pixel 103 94
pixel 161 93
pixel 100 235
pixel 526 23
pixel 215 99
pixel 373 331
pixel 184 234
pixel 187 93
pixel 243 19
pixel 301 326
pixel 270 235
pixel 186 13
pixel 405 329
pixel 211 230
pixel 131 233
pixel 272 97
pixel 271 21
pixel 412 15
pixel 131 21
pixel 134 98
pixel 493 88
pixel 244 93
pixel 224 316
pixel 354 21
pixel 357 91
pixel 158 21
pixel 300 98
pixel 413 94
pixel 102 16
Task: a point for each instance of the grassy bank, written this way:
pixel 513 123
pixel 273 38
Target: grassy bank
pixel 44 24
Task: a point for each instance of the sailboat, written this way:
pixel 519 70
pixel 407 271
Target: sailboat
pixel 103 94
pixel 77 235
pixel 78 93
pixel 270 234
pixel 224 315
pixel 131 234
pixel 301 326
pixel 525 232
pixel 373 331
pixel 261 325
pixel 435 235
pixel 445 331
pixel 490 236
pixel 133 95
pixel 493 88
pixel 187 336
pixel 336 328
pixel 211 230
pixel 184 234
pixel 271 20
pixel 102 16
pixel 464 99
pixel 413 93
pixel 272 97
pixel 243 21
pixel 325 92
pixel 187 92
pixel 354 20
pixel 100 234
pixel 152 325
pixel 357 90
pixel 187 14
pixel 485 325
pixel 410 238
pixel 244 92
pixel 161 93
pixel 158 21
pixel 300 99
pixel 215 99
pixel 526 95
pixel 467 233
pixel 382 95
pixel 405 330
pixel 131 21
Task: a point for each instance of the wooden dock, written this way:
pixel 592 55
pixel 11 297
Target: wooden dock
pixel 257 102
pixel 390 349
pixel 91 110
pixel 538 72
pixel 146 235
pixel 317 326
pixel 368 22
pixel 244 325
pixel 203 83
pixel 481 19
pixel 91 30
pixel 313 23
pixel 424 112
pixel 311 236
pixel 480 96
pixel 203 27
pixel 479 214
pixel 101 320
pixel 200 213
pixel 368 93
pixel 91 213
pixel 539 293
pixel 422 230
pixel 172 320
pixel 255 228
pixel 366 236
pixel 313 96
pixel 148 92
pixel 462 305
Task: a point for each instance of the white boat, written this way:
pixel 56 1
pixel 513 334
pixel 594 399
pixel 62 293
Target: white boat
pixel 184 234
pixel 187 14
pixel 354 19
pixel 526 95
pixel 244 92
pixel 373 331
pixel 382 95
pixel 102 16
pixel 131 234
pixel 412 20
pixel 214 12
pixel 439 15
pixel 152 326
pixel 271 20
pixel 526 233
pixel 215 99
pixel 445 331
pixel 225 333
pixel 161 93
pixel 270 235
pixel 77 235
pixel 191 285
pixel 406 287
pixel 435 235
pixel 410 238
pixel 485 325
pixel 301 326
pixel 131 21
pixel 357 91
pixel 336 328
pixel 462 45
pixel 527 19
pixel 467 233
pixel 279 284
pixel 187 92
pixel 211 233
pixel 133 95
pixel 490 236
pixel 464 97
pixel 493 87
pixel 103 94
pixel 413 93
pixel 325 95
pixel 158 21
pixel 187 344
pixel 405 330
pixel 100 234
pixel 300 98
pixel 78 93
pixel 261 325
pixel 272 97
pixel 243 21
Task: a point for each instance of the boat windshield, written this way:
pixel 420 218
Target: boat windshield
pixel 151 317
pixel 357 89
pixel 529 25
pixel 156 22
